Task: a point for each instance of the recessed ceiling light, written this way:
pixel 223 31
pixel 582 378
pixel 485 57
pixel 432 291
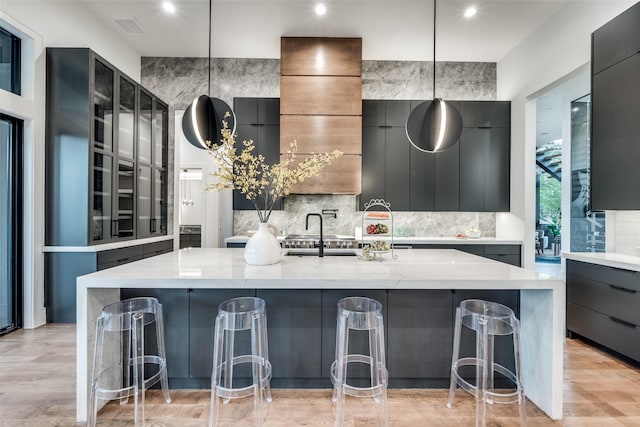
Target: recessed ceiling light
pixel 471 11
pixel 168 7
pixel 320 9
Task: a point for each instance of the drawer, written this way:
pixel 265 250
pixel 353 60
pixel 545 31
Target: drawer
pixel 624 278
pixel 506 258
pixel 614 334
pixel 502 249
pixel 236 245
pixel 157 248
pixel 120 255
pixel 106 265
pixel 470 249
pixel 604 298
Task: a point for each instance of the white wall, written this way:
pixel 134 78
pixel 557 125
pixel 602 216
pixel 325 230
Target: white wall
pixel 557 48
pixel 48 24
pixel 71 24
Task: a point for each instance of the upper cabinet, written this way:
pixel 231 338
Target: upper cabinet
pixel 617 40
pixel 100 129
pixel 473 175
pixel 258 119
pixel 321 108
pixel 615 129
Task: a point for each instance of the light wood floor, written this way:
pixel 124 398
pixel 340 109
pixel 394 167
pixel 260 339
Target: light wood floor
pixel 37 388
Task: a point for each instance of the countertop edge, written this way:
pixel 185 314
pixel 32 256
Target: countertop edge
pixel 416 240
pixel 609 259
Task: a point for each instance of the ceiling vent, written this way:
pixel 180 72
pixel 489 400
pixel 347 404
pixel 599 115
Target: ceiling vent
pixel 129 25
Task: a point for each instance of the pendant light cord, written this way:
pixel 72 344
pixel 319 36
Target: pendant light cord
pixel 209 79
pixel 434 49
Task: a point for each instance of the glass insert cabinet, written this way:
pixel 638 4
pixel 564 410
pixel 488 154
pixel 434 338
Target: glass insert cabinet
pixel 106 153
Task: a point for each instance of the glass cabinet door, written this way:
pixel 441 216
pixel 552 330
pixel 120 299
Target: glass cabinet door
pixel 144 201
pixel 102 197
pixel 160 136
pixel 144 127
pixel 159 222
pixel 103 107
pixel 125 219
pixel 126 117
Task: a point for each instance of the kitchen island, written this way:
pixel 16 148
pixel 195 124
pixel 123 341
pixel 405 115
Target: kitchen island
pixel 302 290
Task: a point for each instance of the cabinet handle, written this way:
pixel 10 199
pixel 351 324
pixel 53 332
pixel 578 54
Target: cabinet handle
pixel 123 259
pixel 153 225
pixel 484 127
pixel 115 232
pixel 385 126
pixel 402 247
pixel 622 322
pixel 620 288
pixel 257 124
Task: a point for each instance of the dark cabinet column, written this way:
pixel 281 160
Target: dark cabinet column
pixel 257 119
pixel 615 148
pixel 497 177
pixel 447 180
pixel 422 169
pixel 373 164
pixel 294 331
pixel 472 169
pixel 397 168
pixel 421 321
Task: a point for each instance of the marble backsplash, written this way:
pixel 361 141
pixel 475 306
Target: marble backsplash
pixel 177 81
pixel 291 220
pixel 626 238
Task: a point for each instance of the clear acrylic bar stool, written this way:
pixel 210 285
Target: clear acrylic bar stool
pixel 240 314
pixel 122 366
pixel 364 314
pixel 487 319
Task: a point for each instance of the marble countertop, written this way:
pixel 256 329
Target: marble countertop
pixel 226 268
pixel 416 240
pixel 610 259
pixel 107 246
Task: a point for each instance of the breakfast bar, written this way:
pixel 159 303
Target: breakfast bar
pixel 419 290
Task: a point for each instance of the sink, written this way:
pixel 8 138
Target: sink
pixel 327 252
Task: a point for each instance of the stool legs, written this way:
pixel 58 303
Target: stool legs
pixel 456 355
pixel 228 372
pixel 216 374
pixel 521 397
pixel 378 360
pixel 482 373
pixel 342 349
pixel 97 362
pixel 164 380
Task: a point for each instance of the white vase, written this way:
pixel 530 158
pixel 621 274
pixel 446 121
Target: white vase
pixel 263 247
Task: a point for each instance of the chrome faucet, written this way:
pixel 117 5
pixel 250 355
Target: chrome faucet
pixel 306 227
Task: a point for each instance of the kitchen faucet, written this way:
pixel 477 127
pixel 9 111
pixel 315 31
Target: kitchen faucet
pixel 306 227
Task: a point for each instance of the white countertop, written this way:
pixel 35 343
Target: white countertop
pixel 610 259
pixel 416 240
pixel 107 246
pixel 226 268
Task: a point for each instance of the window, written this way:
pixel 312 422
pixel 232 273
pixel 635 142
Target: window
pixel 9 62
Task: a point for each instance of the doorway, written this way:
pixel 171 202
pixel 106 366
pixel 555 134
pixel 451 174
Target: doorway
pixel 10 223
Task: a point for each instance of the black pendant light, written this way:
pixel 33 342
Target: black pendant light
pixel 202 120
pixel 434 126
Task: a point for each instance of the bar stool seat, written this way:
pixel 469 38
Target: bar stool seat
pixel 364 314
pixel 487 319
pixel 240 314
pixel 122 365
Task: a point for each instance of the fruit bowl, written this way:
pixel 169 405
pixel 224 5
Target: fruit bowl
pixel 377 228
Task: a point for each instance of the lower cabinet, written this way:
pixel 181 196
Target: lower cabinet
pixel 301 327
pixel 62 269
pixel 509 254
pixel 602 305
pixel 420 340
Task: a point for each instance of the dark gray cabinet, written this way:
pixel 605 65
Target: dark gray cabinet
pixel 617 40
pixel 473 175
pixel 385 148
pixel 175 313
pixel 602 305
pixel 615 99
pixel 294 319
pixel 258 119
pixel 485 153
pixel 615 150
pixel 420 321
pixel 63 268
pixel 99 129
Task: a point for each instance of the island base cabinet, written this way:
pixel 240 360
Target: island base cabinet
pixel 203 310
pixel 420 338
pixel 503 345
pixel 294 319
pixel 359 373
pixel 175 313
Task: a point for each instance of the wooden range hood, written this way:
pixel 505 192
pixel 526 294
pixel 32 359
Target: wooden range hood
pixel 321 108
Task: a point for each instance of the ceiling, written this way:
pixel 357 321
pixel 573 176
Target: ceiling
pixel 390 29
